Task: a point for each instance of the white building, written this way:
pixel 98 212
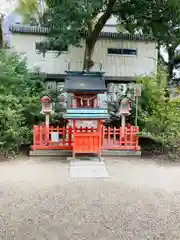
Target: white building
pixel 121 56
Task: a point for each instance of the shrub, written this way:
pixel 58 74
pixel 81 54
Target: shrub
pixel 159 117
pixel 19 101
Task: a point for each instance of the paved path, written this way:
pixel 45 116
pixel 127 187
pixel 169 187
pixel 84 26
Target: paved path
pixel 39 201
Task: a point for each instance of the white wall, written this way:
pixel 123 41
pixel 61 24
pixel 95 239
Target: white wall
pixel 113 65
pixel 109 28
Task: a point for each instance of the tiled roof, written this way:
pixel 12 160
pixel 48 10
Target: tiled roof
pixel 18 28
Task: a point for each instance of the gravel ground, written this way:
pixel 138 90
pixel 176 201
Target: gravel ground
pixel 38 200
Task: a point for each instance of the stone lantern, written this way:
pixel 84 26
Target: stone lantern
pixel 124 110
pixel 46 104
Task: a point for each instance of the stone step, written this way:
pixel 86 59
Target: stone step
pixel 120 153
pixel 67 153
pixel 50 153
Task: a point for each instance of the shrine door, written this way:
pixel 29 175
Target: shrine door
pixel 87 141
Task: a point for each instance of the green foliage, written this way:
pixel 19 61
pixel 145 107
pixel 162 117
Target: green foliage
pixel 59 98
pixel 20 92
pixel 160 20
pixel 152 95
pixel 159 117
pixel 69 20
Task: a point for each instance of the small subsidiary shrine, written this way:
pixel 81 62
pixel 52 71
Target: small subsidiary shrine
pixel 85 88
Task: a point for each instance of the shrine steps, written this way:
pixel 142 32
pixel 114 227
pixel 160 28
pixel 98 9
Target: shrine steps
pixel 68 153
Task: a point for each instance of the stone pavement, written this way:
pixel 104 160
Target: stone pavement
pixel 91 167
pixel 38 200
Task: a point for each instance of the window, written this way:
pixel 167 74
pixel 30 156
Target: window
pixel 51 85
pixel 39 46
pixel 122 51
pixel 60 86
pixel 54 85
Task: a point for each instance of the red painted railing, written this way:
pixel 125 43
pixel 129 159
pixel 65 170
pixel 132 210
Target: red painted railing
pixel 124 138
pixel 63 138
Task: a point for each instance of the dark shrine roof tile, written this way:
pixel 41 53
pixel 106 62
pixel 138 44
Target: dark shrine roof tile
pixel 39 30
pixel 85 83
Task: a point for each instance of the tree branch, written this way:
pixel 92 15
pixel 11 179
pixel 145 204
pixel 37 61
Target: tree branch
pixel 161 59
pixel 102 20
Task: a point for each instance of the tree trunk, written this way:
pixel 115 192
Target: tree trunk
pixel 93 35
pixel 170 63
pixel 88 54
pixel 1 33
pixel 170 51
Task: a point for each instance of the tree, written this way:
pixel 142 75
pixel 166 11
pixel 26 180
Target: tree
pixel 19 102
pixel 30 11
pixel 70 21
pixel 161 20
pixel 158 119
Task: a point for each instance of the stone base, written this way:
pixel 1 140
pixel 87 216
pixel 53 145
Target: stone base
pixel 50 153
pixel 121 153
pixel 67 153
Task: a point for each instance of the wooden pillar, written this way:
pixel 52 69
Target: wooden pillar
pixel 99 125
pixel 47 120
pixel 74 129
pixel 47 127
pixel 123 121
pixel 123 124
pixel 99 130
pixel 74 124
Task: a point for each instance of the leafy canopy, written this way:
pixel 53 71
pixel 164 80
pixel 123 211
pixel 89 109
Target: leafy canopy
pixel 161 20
pixel 67 19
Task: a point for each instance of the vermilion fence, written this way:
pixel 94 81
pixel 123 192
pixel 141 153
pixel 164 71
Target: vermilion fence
pixel 63 138
pixel 122 138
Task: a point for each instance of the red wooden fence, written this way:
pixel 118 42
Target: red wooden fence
pixel 122 138
pixel 63 138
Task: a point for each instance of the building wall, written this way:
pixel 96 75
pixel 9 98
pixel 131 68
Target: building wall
pixel 114 65
pixel 109 28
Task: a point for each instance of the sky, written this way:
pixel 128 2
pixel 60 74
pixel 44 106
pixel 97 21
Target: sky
pixel 7 6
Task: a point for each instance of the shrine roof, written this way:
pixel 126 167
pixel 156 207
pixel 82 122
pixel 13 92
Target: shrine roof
pixel 85 83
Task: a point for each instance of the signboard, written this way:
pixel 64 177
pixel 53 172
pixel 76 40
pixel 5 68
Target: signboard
pixel 137 91
pixel 86 123
pixel 135 88
pixel 54 136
